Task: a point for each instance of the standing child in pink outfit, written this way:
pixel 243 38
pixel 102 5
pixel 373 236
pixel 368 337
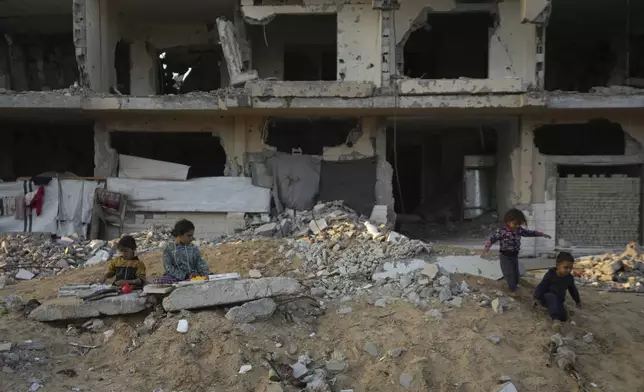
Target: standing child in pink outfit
pixel 509 239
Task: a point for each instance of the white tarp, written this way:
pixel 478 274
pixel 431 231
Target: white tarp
pixel 76 201
pixel 143 168
pixel 45 223
pixel 210 194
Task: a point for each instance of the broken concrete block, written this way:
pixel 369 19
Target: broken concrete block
pixel 266 230
pixel 379 215
pixel 157 288
pixel 255 274
pixel 23 274
pixel 226 292
pixel 430 271
pixel 75 308
pixel 252 311
pixel 507 387
pixel 232 54
pixel 318 225
pixel 4 347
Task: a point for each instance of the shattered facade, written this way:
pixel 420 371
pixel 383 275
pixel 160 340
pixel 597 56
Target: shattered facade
pixel 225 86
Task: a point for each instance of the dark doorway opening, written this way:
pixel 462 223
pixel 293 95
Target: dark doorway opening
pixel 596 137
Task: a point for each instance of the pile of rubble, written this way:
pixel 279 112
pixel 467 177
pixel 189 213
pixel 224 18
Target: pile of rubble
pixel 622 272
pixel 25 256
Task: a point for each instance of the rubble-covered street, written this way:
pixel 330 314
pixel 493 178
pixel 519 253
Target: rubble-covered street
pixel 349 306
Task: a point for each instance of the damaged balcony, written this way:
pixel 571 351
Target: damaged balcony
pixel 594 51
pixel 463 48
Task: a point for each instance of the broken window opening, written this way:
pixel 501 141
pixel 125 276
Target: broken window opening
pixel 430 51
pixel 596 137
pixel 122 65
pixel 589 46
pixel 430 166
pixel 201 151
pixel 310 62
pixel 310 135
pixel 283 49
pixel 188 69
pixel 633 171
pixel 30 148
pixel 37 62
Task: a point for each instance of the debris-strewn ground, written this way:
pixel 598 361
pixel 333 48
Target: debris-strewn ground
pixel 357 327
pixel 450 353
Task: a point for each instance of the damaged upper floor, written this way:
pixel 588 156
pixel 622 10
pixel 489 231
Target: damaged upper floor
pixel 322 48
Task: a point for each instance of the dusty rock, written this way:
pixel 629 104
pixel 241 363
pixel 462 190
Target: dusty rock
pixel 396 352
pixel 507 387
pixel 381 303
pixel 4 347
pixel 266 230
pixel 504 379
pixel 23 274
pixel 249 312
pixel 370 349
pixel 335 367
pixel 406 380
pixel 13 303
pixel 589 338
pixel 255 274
pixel 436 313
pixel 445 294
pixel 496 339
pixel 345 310
pixel 565 357
pixel 217 293
pixel 497 305
pixel 456 302
pixel 299 369
pixel 73 308
pixel 318 292
pixel 430 271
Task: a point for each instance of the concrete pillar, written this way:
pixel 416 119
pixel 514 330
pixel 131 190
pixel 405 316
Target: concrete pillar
pixel 526 160
pixel 95 37
pixel 105 157
pixel 508 174
pixel 144 71
pixel 6 156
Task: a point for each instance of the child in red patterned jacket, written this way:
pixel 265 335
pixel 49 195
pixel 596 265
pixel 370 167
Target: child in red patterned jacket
pixel 509 239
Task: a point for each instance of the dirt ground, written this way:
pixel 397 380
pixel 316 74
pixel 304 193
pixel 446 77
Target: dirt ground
pixel 450 354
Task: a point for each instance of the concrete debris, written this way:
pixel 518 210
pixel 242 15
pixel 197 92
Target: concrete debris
pixel 496 339
pixel 4 347
pixel 225 292
pixel 497 305
pixel 623 272
pixel 245 369
pixel 73 308
pixel 396 352
pixel 456 302
pixel 565 357
pixel 299 369
pixel 370 349
pixel 345 310
pixel 250 312
pixel 182 326
pixel 335 367
pixel 406 380
pixel 445 294
pixel 508 387
pixel 13 303
pixel 29 256
pixel 435 313
pixel 255 274
pixel 381 303
pixel 588 338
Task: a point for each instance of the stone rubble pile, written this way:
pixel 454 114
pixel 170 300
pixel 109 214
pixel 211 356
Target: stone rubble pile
pixel 623 272
pixel 25 256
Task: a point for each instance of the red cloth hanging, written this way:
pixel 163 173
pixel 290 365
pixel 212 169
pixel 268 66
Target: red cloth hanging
pixel 37 200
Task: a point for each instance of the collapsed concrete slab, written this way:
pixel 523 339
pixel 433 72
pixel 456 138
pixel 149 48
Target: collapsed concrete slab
pixel 252 311
pixel 226 292
pixel 232 54
pixel 75 308
pixel 471 265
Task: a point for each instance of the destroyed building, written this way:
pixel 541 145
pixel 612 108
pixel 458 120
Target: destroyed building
pixel 441 110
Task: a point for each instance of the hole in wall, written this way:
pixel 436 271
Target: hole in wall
pixel 596 137
pixel 199 150
pixel 449 46
pixel 310 135
pixel 189 68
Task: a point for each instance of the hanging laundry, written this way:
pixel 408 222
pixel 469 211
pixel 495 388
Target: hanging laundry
pixel 7 206
pixel 20 207
pixel 35 199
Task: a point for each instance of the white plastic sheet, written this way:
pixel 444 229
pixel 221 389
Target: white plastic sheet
pixel 143 168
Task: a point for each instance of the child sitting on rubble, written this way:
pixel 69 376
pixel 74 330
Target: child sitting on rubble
pixel 181 259
pixel 126 268
pixel 509 239
pixel 551 292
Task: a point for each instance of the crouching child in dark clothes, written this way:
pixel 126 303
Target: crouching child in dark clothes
pixel 509 239
pixel 551 292
pixel 126 268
